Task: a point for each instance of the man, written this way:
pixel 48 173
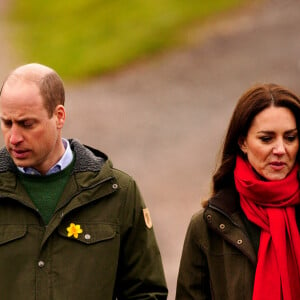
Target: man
pixel 71 226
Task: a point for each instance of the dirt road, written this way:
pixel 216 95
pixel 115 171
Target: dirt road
pixel 163 121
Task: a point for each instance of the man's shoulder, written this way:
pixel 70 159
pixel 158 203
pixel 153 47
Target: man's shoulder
pixel 123 178
pixel 98 159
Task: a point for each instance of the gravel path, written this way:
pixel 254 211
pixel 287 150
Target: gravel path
pixel 162 121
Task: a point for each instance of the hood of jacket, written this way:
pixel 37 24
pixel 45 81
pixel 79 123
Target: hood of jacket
pixel 88 158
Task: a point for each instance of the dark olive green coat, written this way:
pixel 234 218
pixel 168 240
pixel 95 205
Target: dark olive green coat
pixel 219 254
pixel 116 255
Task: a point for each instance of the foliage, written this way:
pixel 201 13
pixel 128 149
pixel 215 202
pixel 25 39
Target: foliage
pixel 83 38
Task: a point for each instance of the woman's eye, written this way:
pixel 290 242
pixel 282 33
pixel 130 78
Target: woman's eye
pixel 291 138
pixel 265 139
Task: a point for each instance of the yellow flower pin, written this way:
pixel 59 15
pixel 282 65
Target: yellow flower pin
pixel 74 230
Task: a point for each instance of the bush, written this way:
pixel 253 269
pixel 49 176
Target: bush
pixel 83 38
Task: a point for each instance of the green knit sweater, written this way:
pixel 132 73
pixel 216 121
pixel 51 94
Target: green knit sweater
pixel 45 191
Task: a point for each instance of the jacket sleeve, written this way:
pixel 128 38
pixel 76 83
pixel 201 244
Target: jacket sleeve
pixel 140 272
pixel 193 277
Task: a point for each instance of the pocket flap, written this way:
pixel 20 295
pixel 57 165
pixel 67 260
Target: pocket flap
pixel 91 232
pixel 10 233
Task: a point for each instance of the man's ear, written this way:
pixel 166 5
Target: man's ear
pixel 60 114
pixel 243 145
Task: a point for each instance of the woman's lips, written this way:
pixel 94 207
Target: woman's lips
pixel 277 165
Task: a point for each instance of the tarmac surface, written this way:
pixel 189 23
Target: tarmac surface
pixel 163 120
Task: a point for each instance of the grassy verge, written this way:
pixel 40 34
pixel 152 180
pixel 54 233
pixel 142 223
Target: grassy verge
pixel 84 38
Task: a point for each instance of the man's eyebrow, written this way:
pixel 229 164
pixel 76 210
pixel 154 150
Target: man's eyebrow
pixel 3 118
pixel 19 121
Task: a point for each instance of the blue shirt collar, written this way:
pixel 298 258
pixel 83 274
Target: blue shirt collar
pixel 65 160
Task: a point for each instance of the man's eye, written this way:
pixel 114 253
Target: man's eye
pixel 7 123
pixel 27 124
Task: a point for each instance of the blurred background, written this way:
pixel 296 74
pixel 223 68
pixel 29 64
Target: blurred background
pixel 153 84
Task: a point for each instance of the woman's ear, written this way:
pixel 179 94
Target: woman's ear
pixel 243 145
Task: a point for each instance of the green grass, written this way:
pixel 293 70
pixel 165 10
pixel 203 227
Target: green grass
pixel 84 38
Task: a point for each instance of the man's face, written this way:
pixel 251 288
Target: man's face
pixel 31 137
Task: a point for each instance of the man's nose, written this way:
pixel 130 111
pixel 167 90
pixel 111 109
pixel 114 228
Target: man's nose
pixel 15 135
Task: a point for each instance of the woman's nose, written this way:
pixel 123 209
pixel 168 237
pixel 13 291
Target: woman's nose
pixel 279 148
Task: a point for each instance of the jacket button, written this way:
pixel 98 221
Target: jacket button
pixel 239 242
pixel 222 226
pixel 114 186
pixel 41 264
pixel 87 236
pixel 208 218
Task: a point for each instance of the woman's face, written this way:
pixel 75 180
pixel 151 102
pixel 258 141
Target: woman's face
pixel 272 143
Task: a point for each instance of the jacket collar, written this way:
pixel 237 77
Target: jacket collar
pixel 87 158
pixel 224 210
pixel 88 164
pixel 226 200
pixel 7 163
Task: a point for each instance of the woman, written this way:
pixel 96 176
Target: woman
pixel 245 243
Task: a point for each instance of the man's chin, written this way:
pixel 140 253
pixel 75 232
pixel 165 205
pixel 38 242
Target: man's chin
pixel 21 163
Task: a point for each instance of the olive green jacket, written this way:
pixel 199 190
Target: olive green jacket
pixel 219 253
pixel 114 257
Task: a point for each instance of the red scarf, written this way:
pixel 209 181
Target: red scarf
pixel 271 205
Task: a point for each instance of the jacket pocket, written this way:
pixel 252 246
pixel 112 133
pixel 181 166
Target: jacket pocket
pixel 9 233
pixel 91 232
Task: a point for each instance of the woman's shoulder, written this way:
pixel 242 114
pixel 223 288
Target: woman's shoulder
pixel 198 226
pixel 198 216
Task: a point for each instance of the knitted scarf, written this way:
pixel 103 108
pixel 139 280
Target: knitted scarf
pixel 271 205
